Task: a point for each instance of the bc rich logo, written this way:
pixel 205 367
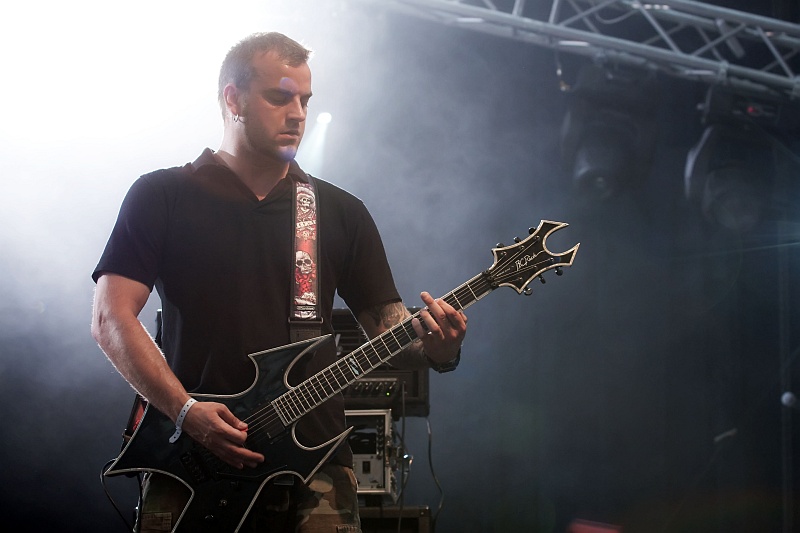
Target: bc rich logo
pixel 523 261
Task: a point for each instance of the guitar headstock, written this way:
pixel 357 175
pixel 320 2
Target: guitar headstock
pixel 517 265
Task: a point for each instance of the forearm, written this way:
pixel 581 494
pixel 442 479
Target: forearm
pixel 134 354
pixel 130 348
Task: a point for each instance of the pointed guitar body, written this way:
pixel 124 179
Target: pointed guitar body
pixel 221 496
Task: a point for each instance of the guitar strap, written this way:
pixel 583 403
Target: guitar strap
pixel 305 320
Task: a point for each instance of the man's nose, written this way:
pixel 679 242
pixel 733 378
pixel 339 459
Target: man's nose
pixel 297 111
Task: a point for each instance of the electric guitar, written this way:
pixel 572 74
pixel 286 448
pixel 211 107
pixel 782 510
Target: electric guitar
pixel 222 496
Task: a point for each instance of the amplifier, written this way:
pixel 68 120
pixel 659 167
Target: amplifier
pixel 372 442
pixel 404 392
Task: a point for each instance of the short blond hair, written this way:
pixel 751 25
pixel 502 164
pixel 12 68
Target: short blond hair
pixel 237 67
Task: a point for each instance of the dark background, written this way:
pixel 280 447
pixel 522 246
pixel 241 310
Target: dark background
pixel 641 389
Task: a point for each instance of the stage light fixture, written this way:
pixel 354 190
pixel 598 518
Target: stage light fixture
pixel 608 132
pixel 730 174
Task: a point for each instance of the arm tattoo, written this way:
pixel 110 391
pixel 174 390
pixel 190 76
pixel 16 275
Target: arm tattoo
pixel 388 315
pixel 384 317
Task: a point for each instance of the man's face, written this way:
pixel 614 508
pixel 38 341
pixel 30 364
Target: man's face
pixel 275 106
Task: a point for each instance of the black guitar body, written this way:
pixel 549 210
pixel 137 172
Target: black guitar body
pixel 222 496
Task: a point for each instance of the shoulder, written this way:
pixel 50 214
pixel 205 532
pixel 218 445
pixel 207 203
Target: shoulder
pixel 328 188
pixel 155 192
pixel 171 183
pixel 204 165
pixel 331 194
pixel 168 176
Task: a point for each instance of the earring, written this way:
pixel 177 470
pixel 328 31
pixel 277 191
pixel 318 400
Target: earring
pixel 236 118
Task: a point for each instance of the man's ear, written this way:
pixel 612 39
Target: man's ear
pixel 233 99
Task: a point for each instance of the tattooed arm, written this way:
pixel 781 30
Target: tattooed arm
pixel 439 340
pixel 380 318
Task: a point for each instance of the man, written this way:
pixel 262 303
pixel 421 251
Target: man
pixel 215 238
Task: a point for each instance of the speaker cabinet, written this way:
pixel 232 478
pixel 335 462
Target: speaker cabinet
pixel 411 519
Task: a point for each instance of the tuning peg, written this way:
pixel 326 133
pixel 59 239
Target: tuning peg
pixel 559 271
pixel 517 239
pixel 528 291
pixel 499 245
pixel 531 231
pixel 541 278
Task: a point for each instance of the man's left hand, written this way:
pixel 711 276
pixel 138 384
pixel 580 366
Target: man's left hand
pixel 442 329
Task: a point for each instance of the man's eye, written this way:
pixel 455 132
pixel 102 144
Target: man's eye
pixel 278 100
pixel 277 97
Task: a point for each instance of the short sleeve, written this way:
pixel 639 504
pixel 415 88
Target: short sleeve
pixel 136 244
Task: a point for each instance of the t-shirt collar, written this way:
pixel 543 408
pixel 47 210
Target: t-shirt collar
pixel 207 157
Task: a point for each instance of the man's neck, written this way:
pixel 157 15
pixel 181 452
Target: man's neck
pixel 260 176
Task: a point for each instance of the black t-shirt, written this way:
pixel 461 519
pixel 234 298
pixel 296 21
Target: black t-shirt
pixel 222 263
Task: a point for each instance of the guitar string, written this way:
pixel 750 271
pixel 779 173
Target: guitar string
pixel 356 364
pixel 301 398
pixel 261 420
pixel 306 392
pixel 307 395
pixel 268 415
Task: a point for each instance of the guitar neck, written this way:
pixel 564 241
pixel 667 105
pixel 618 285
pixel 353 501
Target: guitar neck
pixel 317 389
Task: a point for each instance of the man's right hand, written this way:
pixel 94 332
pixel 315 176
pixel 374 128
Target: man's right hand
pixel 214 426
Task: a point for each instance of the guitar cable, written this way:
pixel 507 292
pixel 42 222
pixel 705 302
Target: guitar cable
pixel 405 470
pixel 111 499
pixel 435 515
pixel 405 467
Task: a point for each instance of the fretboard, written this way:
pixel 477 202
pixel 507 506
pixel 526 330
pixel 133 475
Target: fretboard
pixel 333 379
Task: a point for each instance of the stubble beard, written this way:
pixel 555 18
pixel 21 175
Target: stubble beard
pixel 261 142
pixel 287 153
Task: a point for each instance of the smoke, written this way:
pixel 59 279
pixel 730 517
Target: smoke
pixel 564 399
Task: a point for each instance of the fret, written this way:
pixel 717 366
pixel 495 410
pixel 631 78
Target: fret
pixel 381 348
pixel 312 394
pixel 408 331
pixel 328 382
pixel 363 363
pixel 369 358
pixel 366 358
pixel 333 375
pixel 297 401
pixel 508 270
pixel 354 367
pixel 275 405
pixel 458 303
pixel 344 379
pixel 321 386
pixel 473 292
pixel 362 360
pixel 288 408
pixel 304 397
pixel 292 405
pixel 347 372
pixel 393 346
pixel 383 342
pixel 280 409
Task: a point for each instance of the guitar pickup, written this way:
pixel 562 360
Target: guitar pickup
pixel 192 463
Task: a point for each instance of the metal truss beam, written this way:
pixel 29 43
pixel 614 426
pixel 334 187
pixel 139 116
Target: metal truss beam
pixel 745 53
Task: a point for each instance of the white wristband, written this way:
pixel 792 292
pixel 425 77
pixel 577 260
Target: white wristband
pixel 179 421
